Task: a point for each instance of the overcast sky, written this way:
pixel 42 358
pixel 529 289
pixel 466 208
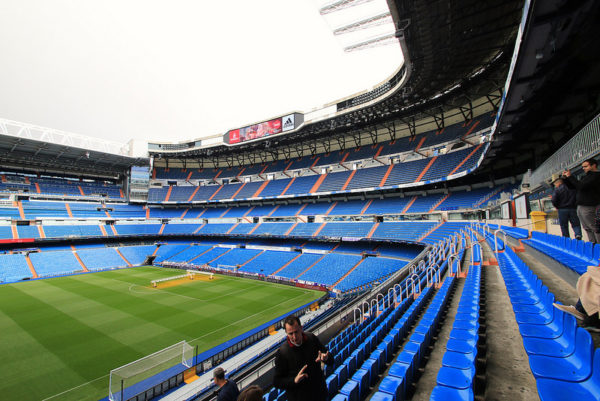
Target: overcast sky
pixel 173 70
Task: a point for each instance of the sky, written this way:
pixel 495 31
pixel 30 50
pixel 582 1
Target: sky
pixel 176 70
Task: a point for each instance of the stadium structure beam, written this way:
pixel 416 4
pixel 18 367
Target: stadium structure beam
pixel 340 5
pixel 438 118
pixel 467 112
pixel 43 134
pixel 376 20
pixel 381 40
pixel 341 140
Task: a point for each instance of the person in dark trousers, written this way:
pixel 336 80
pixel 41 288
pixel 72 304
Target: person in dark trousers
pixel 564 201
pixel 298 364
pixel 588 197
pixel 228 390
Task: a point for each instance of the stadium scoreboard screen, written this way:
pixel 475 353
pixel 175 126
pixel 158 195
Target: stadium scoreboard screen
pixel 139 179
pixel 266 129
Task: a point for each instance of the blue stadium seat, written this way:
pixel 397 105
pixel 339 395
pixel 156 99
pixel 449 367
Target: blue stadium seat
pixel 393 385
pixel 586 389
pixel 352 390
pixel 381 396
pixel 442 393
pixel 361 376
pixel 332 384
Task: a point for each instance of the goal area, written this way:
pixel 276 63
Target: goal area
pixel 136 377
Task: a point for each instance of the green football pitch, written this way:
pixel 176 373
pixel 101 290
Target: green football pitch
pixel 60 337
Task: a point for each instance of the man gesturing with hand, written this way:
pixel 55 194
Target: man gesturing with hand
pixel 298 364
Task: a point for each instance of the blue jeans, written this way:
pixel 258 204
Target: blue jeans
pixel 569 215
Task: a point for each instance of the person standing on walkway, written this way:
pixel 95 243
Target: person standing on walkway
pixel 588 197
pixel 564 201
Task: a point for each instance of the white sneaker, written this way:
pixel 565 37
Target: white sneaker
pixel 570 309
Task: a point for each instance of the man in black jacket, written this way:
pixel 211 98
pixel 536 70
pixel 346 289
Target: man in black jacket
pixel 228 390
pixel 563 200
pixel 588 197
pixel 298 364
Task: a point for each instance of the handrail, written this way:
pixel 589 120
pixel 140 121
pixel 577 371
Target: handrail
pixel 362 306
pixel 383 303
pixel 415 283
pixel 496 239
pixel 397 293
pixel 411 268
pixel 434 271
pixel 390 297
pixel 584 145
pixel 360 315
pixel 450 261
pixel 412 282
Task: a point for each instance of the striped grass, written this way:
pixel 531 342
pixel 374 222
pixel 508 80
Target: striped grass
pixel 60 337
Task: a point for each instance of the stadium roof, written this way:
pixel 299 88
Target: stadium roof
pixel 39 149
pixel 555 86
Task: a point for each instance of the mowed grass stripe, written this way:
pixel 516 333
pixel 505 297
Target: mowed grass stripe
pixel 18 345
pixel 118 308
pixel 113 322
pixel 78 347
pixel 116 296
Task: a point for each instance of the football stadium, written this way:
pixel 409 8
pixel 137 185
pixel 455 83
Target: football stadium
pixel 411 226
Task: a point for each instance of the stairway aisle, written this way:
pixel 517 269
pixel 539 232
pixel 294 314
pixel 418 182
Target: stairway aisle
pixel 428 379
pixel 507 370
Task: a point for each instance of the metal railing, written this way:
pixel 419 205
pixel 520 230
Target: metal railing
pixel 584 145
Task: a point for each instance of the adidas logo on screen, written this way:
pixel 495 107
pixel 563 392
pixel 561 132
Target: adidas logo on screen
pixel 288 123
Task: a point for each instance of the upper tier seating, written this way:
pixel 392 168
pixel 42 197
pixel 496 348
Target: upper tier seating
pixel 137 229
pixel 78 230
pixel 17 183
pixel 28 231
pixel 180 228
pixel 421 170
pixel 404 144
pixel 397 205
